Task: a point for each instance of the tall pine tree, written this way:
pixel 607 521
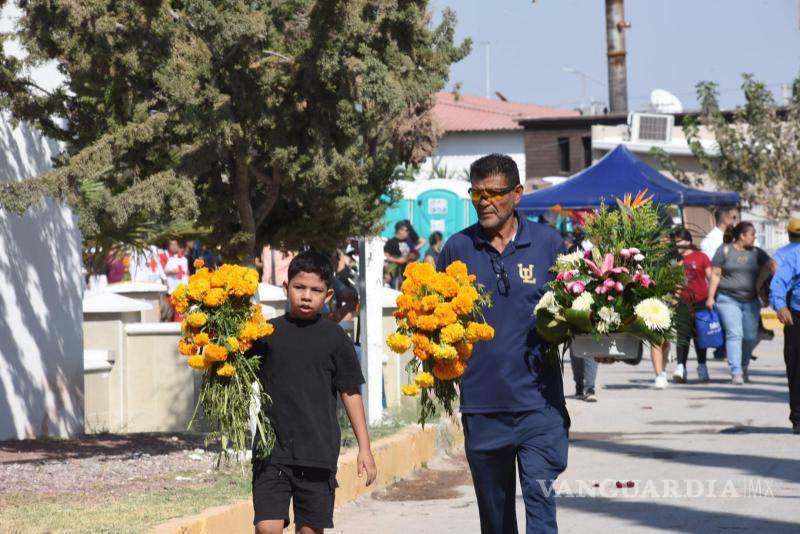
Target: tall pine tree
pixel 280 121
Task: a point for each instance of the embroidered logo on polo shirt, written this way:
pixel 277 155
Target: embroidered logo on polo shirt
pixel 527 274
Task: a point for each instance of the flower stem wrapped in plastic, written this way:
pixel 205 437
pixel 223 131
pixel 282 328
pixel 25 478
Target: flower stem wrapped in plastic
pixel 221 325
pixel 438 316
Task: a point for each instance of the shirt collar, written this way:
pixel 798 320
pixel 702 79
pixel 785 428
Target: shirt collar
pixel 522 238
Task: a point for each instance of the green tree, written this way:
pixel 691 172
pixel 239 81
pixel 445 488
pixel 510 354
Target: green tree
pixel 280 121
pixel 759 148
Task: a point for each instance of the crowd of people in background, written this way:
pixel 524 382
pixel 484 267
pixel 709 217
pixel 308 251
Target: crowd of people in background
pixel 727 272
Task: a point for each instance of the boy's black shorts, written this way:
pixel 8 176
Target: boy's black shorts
pixel 312 489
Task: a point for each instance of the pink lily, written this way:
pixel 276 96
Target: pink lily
pixel 601 290
pixel 619 287
pixel 643 279
pixel 606 268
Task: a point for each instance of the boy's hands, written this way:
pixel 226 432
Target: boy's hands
pixel 366 464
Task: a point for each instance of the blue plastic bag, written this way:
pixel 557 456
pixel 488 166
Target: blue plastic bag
pixel 709 329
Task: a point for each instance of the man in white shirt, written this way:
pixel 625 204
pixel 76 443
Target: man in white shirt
pixel 146 266
pixel 724 217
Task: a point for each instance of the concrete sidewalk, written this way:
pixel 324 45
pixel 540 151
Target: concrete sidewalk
pixel 703 458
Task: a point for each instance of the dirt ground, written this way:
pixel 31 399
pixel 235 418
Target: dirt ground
pixel 105 466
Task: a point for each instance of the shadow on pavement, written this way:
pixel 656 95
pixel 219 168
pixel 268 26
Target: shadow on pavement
pixel 668 517
pixel 759 466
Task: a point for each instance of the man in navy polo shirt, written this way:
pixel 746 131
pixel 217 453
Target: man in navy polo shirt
pixel 512 401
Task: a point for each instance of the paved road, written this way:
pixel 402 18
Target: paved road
pixel 703 457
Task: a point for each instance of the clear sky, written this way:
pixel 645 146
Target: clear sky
pixel 672 44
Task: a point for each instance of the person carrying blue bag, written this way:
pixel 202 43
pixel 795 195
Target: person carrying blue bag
pixel 692 302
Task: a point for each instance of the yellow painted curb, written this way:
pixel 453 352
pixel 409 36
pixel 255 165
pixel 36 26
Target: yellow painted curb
pixel 396 457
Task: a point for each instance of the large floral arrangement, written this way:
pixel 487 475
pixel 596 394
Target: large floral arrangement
pixel 439 315
pixel 221 324
pixel 626 283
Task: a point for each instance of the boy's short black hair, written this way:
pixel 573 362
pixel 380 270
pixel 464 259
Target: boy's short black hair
pixel 314 262
pixel 402 224
pixel 495 164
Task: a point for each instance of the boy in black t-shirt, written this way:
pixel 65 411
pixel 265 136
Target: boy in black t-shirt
pixel 305 363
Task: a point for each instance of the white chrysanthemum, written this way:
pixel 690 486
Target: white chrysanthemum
pixel 548 302
pixel 609 319
pixel 568 262
pixel 654 313
pixel 583 302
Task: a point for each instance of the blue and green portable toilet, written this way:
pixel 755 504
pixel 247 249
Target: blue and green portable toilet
pixel 438 204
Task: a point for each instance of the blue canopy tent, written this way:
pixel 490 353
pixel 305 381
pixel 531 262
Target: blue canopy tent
pixel 618 173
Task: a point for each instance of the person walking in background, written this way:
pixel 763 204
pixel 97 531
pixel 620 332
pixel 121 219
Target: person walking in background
pixel 414 240
pixel 584 373
pixel 275 265
pixel 697 267
pixel 436 242
pixel 176 271
pixel 785 299
pixel 397 252
pixel 724 218
pixel 735 267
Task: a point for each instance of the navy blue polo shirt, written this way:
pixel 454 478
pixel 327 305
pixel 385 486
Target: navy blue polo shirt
pixel 507 374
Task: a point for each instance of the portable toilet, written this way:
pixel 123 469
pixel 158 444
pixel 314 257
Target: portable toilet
pixel 437 204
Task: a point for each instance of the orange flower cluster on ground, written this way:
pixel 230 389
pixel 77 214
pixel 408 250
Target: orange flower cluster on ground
pixel 437 317
pixel 221 325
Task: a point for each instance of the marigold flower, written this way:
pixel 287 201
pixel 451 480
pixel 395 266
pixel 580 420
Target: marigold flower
pixel 226 370
pixel 445 352
pixel 233 343
pixel 410 390
pixel 448 370
pixel 464 350
pixel 265 329
pixel 458 270
pixel 201 339
pixel 398 343
pixel 249 331
pixel 424 380
pixel 479 332
pixel 409 286
pixel 452 333
pixel 405 302
pixel 179 299
pixel 215 353
pixel 445 315
pixel 245 345
pixel 215 297
pixel 198 263
pixel 198 288
pixel 462 305
pixel 421 354
pixel 429 303
pixel 445 285
pixel 197 319
pixel 197 362
pixel 426 322
pixel 186 348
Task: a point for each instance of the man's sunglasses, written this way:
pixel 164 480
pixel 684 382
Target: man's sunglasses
pixel 492 195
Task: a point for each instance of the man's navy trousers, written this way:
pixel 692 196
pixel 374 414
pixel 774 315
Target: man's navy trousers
pixel 496 445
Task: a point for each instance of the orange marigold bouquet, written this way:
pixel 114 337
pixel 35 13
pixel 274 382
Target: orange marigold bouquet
pixel 221 323
pixel 439 315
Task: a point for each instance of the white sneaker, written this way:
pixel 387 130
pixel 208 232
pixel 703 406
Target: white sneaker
pixel 702 373
pixel 679 376
pixel 661 381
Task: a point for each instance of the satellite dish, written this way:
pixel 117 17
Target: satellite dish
pixel 663 101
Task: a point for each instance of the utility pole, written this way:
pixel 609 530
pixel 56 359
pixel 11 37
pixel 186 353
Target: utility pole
pixel 617 69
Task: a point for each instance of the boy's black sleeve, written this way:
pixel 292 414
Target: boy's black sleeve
pixel 347 373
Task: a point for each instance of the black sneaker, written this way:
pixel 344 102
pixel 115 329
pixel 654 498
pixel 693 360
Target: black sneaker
pixel 590 396
pixel 578 393
pixel 796 428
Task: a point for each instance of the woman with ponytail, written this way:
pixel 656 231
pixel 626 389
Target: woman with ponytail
pixel 735 268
